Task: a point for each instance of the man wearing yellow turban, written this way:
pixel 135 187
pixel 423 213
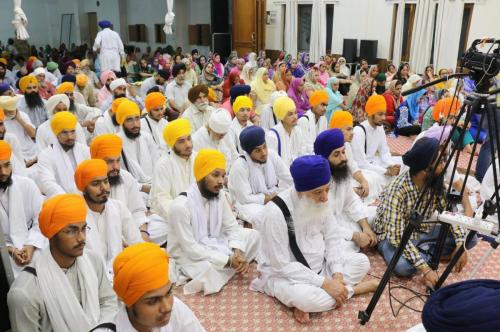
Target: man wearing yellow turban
pixel 32 103
pixel 138 145
pixel 111 223
pixel 314 122
pixel 242 107
pixel 286 139
pixel 141 277
pixel 205 241
pixel 22 242
pixel 154 121
pixel 369 144
pixel 57 162
pixel 82 86
pixel 107 124
pixel 60 270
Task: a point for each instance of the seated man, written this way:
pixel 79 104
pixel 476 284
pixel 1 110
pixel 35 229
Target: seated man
pixel 111 224
pixel 66 289
pixel 369 144
pixel 154 122
pixel 348 210
pixel 57 162
pixel 242 107
pixel 31 103
pixel 200 110
pixel 215 135
pixel 206 243
pixel 177 90
pixel 17 160
pixel 257 176
pixel 142 283
pixel 120 88
pixel 397 202
pixel 312 273
pixel 107 124
pixel 20 202
pixel 314 120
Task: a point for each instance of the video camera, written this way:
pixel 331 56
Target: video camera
pixel 483 66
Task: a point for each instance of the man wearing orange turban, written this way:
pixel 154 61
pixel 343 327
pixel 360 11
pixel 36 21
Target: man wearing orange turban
pixel 107 124
pixel 32 103
pixel 58 271
pixel 313 122
pixel 205 240
pixel 369 144
pixel 111 223
pixel 140 275
pixel 154 121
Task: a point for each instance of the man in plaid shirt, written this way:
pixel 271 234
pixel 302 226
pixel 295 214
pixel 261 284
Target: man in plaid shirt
pixel 400 198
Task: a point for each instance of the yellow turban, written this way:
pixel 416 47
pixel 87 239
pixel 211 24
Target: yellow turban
pixel 282 106
pixel 206 161
pixel 2 114
pixel 88 170
pixel 116 103
pixel 5 150
pixel 63 121
pixel 24 81
pixel 65 87
pixel 82 80
pixel 212 96
pixel 59 211
pixel 4 61
pixel 175 129
pixel 375 104
pixel 318 97
pixel 139 269
pixel 84 62
pixel 153 100
pixel 106 146
pixel 341 119
pixel 242 102
pixel 126 109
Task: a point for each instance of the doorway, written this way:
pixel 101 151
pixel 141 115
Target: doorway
pixel 248 26
pixel 92 25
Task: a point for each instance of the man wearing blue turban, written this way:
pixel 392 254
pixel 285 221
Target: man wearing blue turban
pixel 109 46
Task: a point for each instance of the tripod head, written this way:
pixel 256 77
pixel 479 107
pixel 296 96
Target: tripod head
pixel 483 66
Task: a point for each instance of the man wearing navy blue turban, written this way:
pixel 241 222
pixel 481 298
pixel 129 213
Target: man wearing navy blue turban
pixel 303 263
pixel 110 48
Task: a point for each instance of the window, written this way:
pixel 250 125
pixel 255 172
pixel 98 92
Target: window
pixel 409 18
pixel 304 28
pixel 434 33
pixel 393 29
pixel 138 33
pixel 160 37
pixel 464 33
pixel 329 28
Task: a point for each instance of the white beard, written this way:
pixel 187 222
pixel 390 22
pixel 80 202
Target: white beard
pixel 308 213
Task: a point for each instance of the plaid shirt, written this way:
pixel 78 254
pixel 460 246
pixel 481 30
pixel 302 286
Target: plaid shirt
pixel 393 214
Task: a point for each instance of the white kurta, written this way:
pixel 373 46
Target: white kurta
pixel 204 266
pixel 488 184
pixel 249 202
pixel 267 117
pixel 148 84
pixel 177 93
pixel 37 115
pixel 292 146
pixel 235 131
pixel 182 319
pixel 155 129
pixel 292 283
pixel 202 140
pixel 105 125
pixel 86 113
pixel 17 158
pixel 56 168
pixel 110 230
pixel 29 148
pixel 311 128
pixel 45 136
pixel 128 192
pixel 142 150
pixel 197 118
pixel 110 47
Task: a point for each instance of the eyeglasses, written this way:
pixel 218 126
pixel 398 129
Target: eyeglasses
pixel 75 231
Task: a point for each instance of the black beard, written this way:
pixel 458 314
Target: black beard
pixel 2 135
pixel 114 180
pixel 33 100
pixel 72 105
pixel 7 183
pixel 340 173
pixel 205 192
pixel 2 75
pixel 67 147
pixel 113 118
pixel 91 200
pixel 158 83
pixel 130 134
pixel 437 184
pixel 119 95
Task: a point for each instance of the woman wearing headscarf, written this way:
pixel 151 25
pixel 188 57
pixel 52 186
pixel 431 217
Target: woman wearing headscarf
pixel 232 80
pixel 218 67
pixel 344 69
pixel 285 80
pixel 247 74
pixel 296 68
pixel 279 72
pixel 324 74
pixel 344 81
pixel 359 76
pixel 211 80
pixel 406 119
pixel 190 74
pixel 391 72
pixel 364 92
pixel 298 95
pixel 393 99
pixel 335 99
pixel 312 81
pixel 230 64
pixel 263 88
pixel 403 73
pixel 304 60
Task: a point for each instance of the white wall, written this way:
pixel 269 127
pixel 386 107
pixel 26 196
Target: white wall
pixel 485 20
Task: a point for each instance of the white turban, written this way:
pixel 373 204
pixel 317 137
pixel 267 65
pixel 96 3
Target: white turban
pixel 116 83
pixel 220 121
pixel 39 71
pixel 275 95
pixel 54 101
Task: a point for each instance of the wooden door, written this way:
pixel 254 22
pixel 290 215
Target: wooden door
pixel 92 24
pixel 248 26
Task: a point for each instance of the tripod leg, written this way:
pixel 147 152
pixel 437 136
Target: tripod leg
pixel 438 249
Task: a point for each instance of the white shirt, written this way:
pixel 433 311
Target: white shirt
pixel 128 192
pixel 29 148
pixel 202 140
pixel 311 128
pixel 45 136
pixel 235 131
pixel 376 143
pixel 177 93
pixel 110 47
pixel 148 84
pixel 196 117
pixel 267 118
pixel 155 128
pixel 142 149
pixel 105 125
pixel 292 145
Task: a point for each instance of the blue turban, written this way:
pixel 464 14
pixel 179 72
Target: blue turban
pixel 105 24
pixel 421 154
pixel 3 88
pixel 68 78
pixel 328 141
pixel 239 90
pixel 252 137
pixel 472 305
pixel 310 172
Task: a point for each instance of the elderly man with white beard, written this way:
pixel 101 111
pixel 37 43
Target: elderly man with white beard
pixel 348 210
pixel 302 261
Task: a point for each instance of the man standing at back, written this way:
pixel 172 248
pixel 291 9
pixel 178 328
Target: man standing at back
pixel 109 46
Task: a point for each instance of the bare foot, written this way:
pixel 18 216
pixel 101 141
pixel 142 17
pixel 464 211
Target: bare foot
pixel 366 286
pixel 300 316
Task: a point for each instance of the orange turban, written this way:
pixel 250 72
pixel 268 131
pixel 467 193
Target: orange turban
pixel 24 81
pixel 63 121
pixel 318 97
pixel 65 87
pixel 82 80
pixel 138 269
pixel 59 211
pixel 76 62
pixel 4 61
pixel 88 170
pixel 375 104
pixel 2 114
pixel 341 119
pixel 116 103
pixel 32 58
pixel 153 100
pixel 106 145
pixel 126 109
pixel 206 161
pixel 5 150
pixel 444 107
